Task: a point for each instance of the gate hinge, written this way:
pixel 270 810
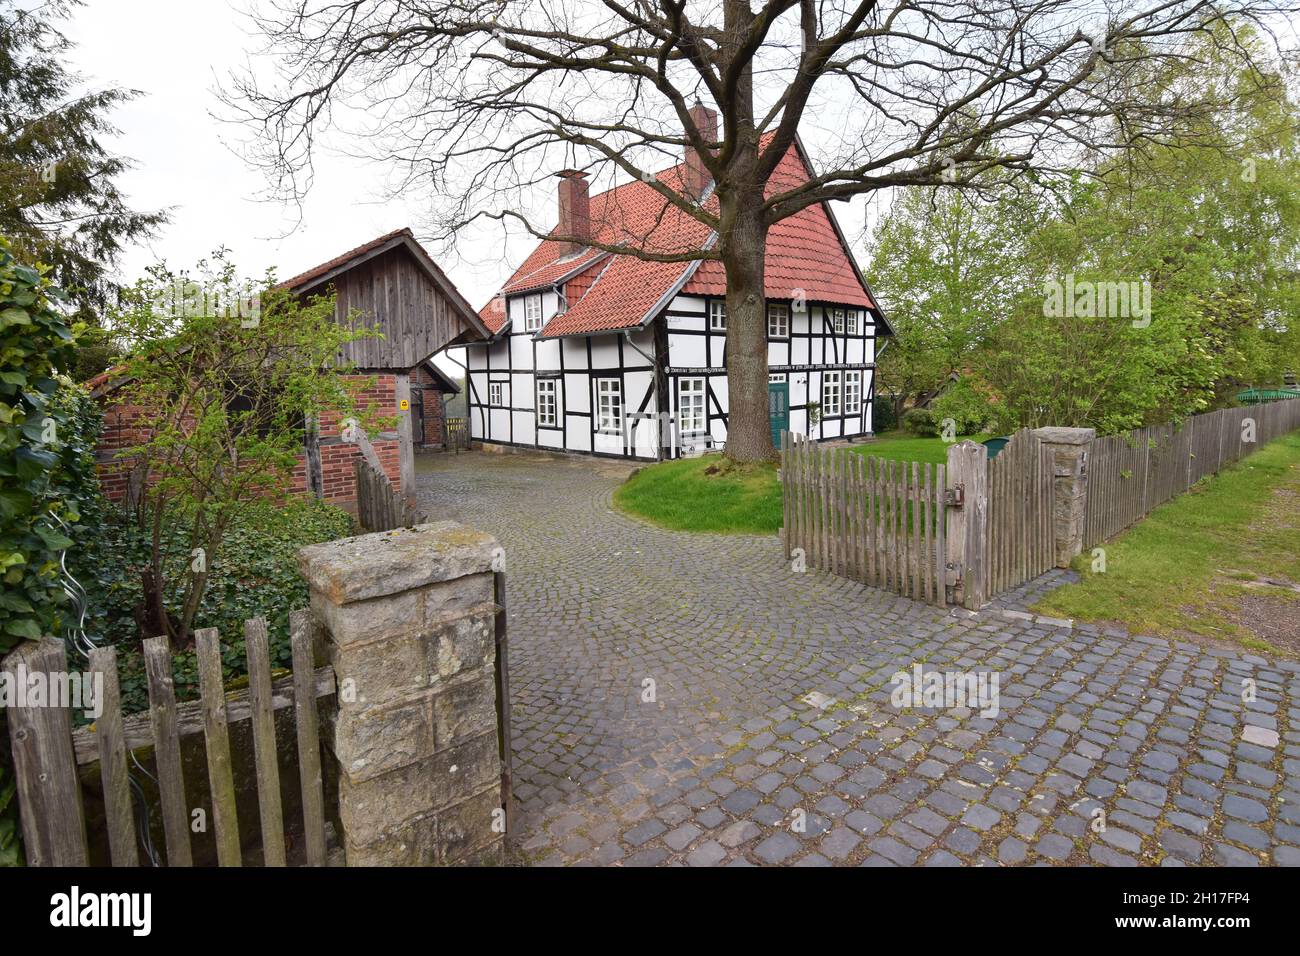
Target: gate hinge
pixel 952 580
pixel 955 496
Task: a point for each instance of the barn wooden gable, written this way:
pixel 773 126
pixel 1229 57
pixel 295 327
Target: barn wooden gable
pixel 394 286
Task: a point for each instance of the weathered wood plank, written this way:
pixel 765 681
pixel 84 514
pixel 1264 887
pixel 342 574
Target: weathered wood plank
pixel 113 771
pixel 167 751
pixel 308 730
pixel 264 750
pixel 49 793
pixel 216 739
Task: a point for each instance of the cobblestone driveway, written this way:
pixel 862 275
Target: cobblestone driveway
pixel 772 708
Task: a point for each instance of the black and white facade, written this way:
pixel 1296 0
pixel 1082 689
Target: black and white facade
pixel 603 393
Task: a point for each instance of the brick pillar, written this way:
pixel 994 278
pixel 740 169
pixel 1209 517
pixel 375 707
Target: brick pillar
pixel 409 622
pixel 1070 453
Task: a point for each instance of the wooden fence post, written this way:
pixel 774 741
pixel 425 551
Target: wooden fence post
pixel 967 518
pixel 49 792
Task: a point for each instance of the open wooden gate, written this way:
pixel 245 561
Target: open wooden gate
pixel 873 520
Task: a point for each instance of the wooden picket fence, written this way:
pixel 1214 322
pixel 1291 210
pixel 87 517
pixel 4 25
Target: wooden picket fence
pixel 1020 495
pixel 47 752
pixel 872 520
pixel 380 507
pixel 1132 473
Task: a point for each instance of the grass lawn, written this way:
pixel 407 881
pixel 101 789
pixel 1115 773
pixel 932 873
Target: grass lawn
pixel 704 494
pixel 1202 564
pixel 901 446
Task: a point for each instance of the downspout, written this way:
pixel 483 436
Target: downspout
pixel 654 366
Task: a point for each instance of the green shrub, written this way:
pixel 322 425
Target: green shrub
pixel 965 406
pixel 252 574
pixel 920 422
pixel 882 415
pixel 47 435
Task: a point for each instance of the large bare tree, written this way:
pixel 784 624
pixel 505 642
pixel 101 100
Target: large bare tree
pixel 478 101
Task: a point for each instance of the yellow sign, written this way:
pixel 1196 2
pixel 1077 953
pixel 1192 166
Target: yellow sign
pixel 404 404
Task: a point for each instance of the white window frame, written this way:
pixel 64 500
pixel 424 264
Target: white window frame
pixel 852 319
pixel 609 406
pixel 548 403
pixel 717 315
pixel 775 377
pixel 853 389
pixel 837 321
pixel 832 385
pixel 532 312
pixel 781 328
pixel 693 405
pixel 496 394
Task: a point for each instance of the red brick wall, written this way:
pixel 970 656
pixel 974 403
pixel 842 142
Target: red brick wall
pixel 126 425
pixel 431 400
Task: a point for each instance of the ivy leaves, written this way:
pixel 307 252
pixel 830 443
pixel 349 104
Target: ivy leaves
pixel 47 429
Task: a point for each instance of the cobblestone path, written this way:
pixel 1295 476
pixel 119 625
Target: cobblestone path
pixel 771 737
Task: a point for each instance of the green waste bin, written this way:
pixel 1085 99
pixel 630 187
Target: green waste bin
pixel 995 445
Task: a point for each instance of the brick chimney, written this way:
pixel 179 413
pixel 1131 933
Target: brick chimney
pixel 575 208
pixel 697 178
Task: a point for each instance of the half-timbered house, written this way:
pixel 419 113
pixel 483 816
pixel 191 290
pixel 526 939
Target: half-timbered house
pixel 609 354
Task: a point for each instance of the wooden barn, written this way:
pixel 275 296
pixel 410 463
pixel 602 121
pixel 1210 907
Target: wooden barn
pixel 394 285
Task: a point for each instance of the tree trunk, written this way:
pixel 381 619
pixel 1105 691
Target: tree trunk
pixel 744 248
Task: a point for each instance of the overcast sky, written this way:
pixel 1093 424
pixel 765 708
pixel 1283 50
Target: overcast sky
pixel 176 52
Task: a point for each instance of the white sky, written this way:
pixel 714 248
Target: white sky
pixel 176 52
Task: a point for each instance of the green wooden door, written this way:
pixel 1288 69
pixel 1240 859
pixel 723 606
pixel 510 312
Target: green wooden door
pixel 778 409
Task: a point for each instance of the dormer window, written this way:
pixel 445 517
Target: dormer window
pixel 532 312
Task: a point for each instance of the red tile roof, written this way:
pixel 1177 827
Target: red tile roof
pixel 804 254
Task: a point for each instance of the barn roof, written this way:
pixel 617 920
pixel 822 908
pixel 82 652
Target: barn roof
pixel 806 253
pixel 404 237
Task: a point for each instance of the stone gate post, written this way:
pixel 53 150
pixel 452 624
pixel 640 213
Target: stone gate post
pixel 408 622
pixel 1070 499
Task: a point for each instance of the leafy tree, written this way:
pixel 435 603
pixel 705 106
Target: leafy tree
pixel 59 201
pixel 1210 221
pixel 947 263
pixel 229 373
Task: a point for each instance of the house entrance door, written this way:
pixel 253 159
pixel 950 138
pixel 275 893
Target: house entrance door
pixel 778 409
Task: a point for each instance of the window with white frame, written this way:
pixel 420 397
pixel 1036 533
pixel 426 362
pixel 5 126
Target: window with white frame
pixel 830 394
pixel 495 396
pixel 532 312
pixel 691 413
pixel 609 405
pixel 548 405
pixel 717 314
pixel 778 321
pixel 776 376
pixel 852 393
pixel 852 322
pixel 837 321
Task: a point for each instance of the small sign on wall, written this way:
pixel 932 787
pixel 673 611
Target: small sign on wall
pixel 404 405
